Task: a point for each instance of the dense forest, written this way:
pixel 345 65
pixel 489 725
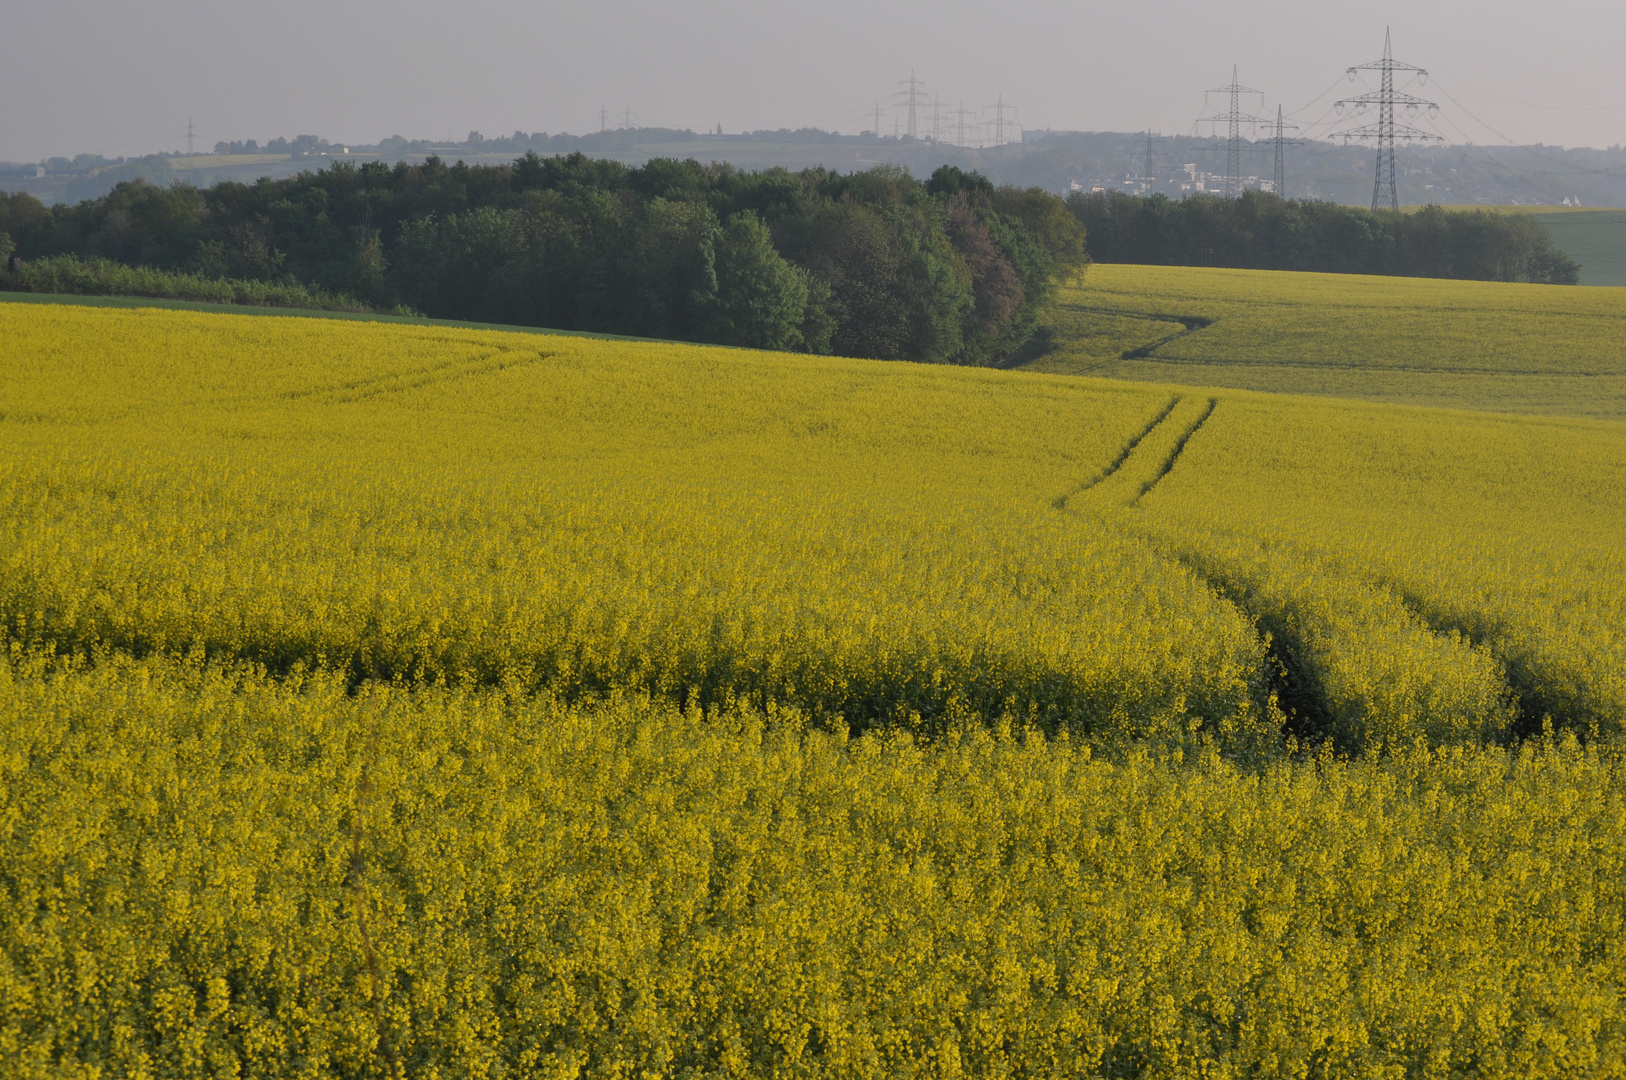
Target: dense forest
pixel 1259 231
pixel 873 264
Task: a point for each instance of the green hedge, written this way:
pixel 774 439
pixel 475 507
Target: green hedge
pixel 69 274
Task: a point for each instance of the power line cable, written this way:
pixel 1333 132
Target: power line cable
pixel 1359 50
pixel 1528 149
pixel 1298 112
pixel 1508 173
pixel 1532 104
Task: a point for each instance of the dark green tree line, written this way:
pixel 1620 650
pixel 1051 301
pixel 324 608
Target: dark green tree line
pixel 873 264
pixel 1258 231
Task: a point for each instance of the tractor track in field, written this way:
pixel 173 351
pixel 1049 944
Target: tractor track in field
pixel 1060 501
pixel 1538 701
pixel 1179 448
pixel 1149 350
pixel 399 381
pixel 1135 454
pixel 1290 678
pixel 1189 324
pixel 1534 700
pixel 1043 341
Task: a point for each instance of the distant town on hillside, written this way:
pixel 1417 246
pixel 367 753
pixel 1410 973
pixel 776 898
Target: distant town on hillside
pixel 1058 161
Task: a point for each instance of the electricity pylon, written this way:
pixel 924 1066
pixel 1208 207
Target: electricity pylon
pixel 1280 141
pixel 1000 123
pixel 959 115
pixel 1235 118
pixel 1386 131
pixel 911 95
pixel 1148 173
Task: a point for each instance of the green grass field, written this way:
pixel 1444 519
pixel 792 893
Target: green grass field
pixel 1594 238
pixel 1538 349
pixel 391 700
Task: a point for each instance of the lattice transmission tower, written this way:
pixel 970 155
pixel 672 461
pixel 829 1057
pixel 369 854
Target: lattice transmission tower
pixel 1149 162
pixel 1000 123
pixel 1386 131
pixel 1235 118
pixel 910 94
pixel 959 115
pixel 1278 139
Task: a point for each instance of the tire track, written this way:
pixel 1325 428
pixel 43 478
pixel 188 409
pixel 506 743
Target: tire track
pixel 1288 687
pixel 1543 696
pixel 1189 324
pixel 1149 351
pixel 1060 501
pixel 1045 341
pixel 398 381
pixel 1179 448
pixel 1145 460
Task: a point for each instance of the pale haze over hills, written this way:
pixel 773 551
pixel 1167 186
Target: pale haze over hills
pixel 120 79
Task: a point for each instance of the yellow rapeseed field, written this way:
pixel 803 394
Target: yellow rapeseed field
pixel 859 540
pixel 1496 545
pixel 383 700
pixel 210 874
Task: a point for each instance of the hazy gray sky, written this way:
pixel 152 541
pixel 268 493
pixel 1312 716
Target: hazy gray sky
pixel 122 77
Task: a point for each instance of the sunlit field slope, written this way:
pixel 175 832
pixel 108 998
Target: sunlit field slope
pixel 1547 349
pixel 386 700
pixel 580 517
